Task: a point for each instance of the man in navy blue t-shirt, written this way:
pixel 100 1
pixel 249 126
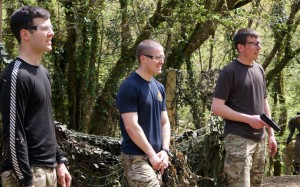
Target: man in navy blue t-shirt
pixel 144 121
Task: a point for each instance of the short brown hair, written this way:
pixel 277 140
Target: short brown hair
pixel 242 34
pixel 146 46
pixel 23 18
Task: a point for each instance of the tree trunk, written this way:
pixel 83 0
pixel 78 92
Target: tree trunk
pixel 69 49
pixel 279 111
pixel 1 5
pixel 283 110
pixel 91 79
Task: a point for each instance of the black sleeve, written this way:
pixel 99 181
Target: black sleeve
pixel 14 94
pixel 60 157
pixel 291 129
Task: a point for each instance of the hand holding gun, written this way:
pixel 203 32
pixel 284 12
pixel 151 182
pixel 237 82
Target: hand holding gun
pixel 270 122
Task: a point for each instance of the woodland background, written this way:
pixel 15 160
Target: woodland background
pixel 95 42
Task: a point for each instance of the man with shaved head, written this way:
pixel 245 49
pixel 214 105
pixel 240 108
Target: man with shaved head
pixel 144 121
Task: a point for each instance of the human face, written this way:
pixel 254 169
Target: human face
pixel 41 35
pixel 251 49
pixel 154 61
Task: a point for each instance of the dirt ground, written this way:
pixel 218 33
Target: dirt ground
pixel 282 181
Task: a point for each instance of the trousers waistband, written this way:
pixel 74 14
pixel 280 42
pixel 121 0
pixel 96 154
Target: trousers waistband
pixel 134 156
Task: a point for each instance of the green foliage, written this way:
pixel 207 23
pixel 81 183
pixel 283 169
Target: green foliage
pixel 181 26
pixel 197 36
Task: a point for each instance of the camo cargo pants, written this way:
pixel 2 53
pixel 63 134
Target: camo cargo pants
pixel 42 177
pixel 244 161
pixel 297 150
pixel 297 156
pixel 288 157
pixel 139 172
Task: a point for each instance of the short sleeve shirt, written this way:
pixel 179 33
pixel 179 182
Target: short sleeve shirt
pixel 244 90
pixel 147 98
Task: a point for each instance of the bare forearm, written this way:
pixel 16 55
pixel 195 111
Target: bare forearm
pixel 166 130
pixel 270 132
pixel 138 137
pixel 136 133
pixel 219 108
pixel 267 111
pixel 166 135
pixel 225 112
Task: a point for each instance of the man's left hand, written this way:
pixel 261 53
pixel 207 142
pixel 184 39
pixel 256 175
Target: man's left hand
pixel 272 146
pixel 165 161
pixel 64 177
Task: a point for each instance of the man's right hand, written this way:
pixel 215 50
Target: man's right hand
pixel 155 161
pixel 256 123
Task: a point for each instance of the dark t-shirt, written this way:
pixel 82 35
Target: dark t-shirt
pixel 148 100
pixel 294 123
pixel 244 90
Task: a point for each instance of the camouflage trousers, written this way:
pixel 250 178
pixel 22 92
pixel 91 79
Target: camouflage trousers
pixel 42 177
pixel 289 157
pixel 297 150
pixel 244 161
pixel 139 172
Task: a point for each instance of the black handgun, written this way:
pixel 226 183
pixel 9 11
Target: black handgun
pixel 270 122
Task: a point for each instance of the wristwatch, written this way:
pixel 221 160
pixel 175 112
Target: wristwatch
pixel 168 152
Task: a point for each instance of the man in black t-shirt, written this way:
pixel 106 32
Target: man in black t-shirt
pixel 240 97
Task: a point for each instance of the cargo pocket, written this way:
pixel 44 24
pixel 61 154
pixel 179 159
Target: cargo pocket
pixel 141 170
pixel 9 179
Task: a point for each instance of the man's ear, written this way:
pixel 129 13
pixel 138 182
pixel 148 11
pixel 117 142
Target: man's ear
pixel 240 47
pixel 142 58
pixel 24 34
